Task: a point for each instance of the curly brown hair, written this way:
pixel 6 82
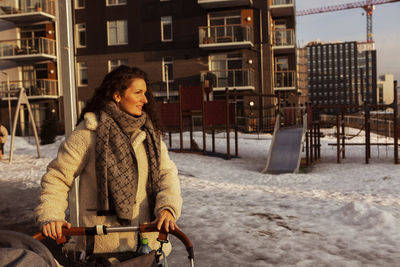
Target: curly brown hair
pixel 119 80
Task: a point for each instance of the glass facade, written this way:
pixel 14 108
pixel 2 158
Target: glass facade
pixel 341 74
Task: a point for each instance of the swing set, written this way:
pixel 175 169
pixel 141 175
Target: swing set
pixel 22 100
pixel 313 135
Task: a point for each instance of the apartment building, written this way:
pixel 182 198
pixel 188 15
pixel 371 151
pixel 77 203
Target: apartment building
pixel 302 74
pixel 242 45
pixel 341 73
pixel 385 89
pixel 28 60
pixel 283 42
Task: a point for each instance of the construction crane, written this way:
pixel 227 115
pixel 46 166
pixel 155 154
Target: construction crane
pixel 368 6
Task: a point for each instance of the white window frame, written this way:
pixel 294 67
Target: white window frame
pixel 77 35
pixel 82 67
pixel 222 58
pixel 281 64
pixel 119 62
pixel 116 2
pixel 219 64
pixel 167 61
pixel 166 20
pixel 77 6
pixel 117 27
pixel 222 29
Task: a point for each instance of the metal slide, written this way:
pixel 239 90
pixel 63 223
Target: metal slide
pixel 285 150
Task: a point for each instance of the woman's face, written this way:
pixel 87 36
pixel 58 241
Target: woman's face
pixel 132 99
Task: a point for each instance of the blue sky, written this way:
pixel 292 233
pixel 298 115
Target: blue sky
pixel 350 25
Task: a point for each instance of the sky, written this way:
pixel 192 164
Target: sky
pixel 329 215
pixel 350 25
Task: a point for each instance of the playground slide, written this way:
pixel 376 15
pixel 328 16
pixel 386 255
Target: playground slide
pixel 285 150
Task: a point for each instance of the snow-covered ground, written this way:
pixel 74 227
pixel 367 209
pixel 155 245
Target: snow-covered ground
pixel 332 214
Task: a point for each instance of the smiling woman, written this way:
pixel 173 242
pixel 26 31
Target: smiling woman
pixel 132 99
pixel 126 175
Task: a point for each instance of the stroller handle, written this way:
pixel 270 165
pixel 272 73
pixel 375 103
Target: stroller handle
pixel 143 228
pixel 152 227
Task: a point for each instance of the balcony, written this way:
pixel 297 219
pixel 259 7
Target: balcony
pixel 281 8
pixel 239 79
pixel 28 50
pixel 283 40
pixel 39 88
pixel 223 3
pixel 226 37
pixel 285 80
pixel 28 11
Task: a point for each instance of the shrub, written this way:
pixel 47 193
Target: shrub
pixel 48 131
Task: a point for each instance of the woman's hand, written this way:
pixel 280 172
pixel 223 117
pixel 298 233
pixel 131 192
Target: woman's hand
pixel 166 218
pixel 54 229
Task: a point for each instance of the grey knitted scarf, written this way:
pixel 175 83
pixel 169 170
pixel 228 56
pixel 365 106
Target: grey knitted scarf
pixel 116 165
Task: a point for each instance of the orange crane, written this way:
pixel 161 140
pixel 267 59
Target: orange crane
pixel 368 6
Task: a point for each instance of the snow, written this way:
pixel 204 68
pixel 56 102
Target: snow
pixel 331 214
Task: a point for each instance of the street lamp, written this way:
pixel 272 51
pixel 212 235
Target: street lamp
pixel 167 80
pixel 251 104
pixel 9 100
pixel 251 123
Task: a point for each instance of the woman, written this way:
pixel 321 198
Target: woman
pixel 126 175
pixel 3 139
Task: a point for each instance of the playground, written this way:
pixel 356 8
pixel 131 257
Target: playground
pixel 346 213
pixel 295 129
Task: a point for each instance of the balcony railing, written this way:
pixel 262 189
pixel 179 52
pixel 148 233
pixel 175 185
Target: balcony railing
pixel 283 38
pixel 38 87
pixel 281 8
pixel 282 2
pixel 224 36
pixel 224 3
pixel 12 7
pixel 233 78
pixel 12 49
pixel 285 79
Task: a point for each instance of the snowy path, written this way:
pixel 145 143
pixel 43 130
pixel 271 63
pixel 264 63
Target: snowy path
pixel 335 215
pixel 241 225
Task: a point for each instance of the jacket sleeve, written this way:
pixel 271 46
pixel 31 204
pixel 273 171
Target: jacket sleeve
pixel 4 133
pixel 61 172
pixel 170 195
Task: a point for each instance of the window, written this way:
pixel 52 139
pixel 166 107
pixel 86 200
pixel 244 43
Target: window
pixel 82 74
pixel 281 64
pixel 117 32
pixel 168 69
pixel 79 4
pixel 228 71
pixel 219 26
pixel 41 71
pixel 80 35
pixel 166 29
pixel 29 76
pixel 116 2
pixel 115 63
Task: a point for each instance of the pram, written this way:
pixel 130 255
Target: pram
pixel 18 249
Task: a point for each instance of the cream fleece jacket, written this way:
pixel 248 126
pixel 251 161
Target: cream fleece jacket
pixel 4 133
pixel 76 157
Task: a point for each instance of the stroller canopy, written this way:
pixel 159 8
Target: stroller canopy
pixel 17 249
